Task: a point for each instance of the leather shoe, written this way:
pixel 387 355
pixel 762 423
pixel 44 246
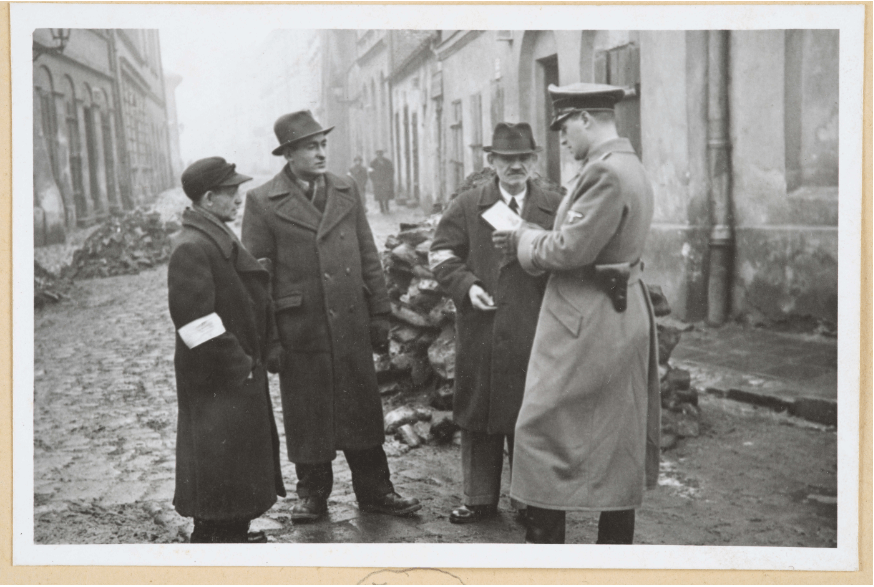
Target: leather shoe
pixel 309 509
pixel 392 504
pixel 468 514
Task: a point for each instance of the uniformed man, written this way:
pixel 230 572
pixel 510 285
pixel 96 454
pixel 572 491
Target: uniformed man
pixel 227 446
pixel 497 304
pixel 332 310
pixel 587 437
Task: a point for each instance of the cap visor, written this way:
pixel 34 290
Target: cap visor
pixel 278 150
pixel 235 179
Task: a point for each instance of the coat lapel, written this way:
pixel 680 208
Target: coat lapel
pixel 291 204
pixel 339 203
pixel 537 208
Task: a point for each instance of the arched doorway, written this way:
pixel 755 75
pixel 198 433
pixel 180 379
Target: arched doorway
pixel 538 68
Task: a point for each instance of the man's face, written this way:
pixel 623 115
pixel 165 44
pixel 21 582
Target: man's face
pixel 575 135
pixel 308 159
pixel 513 170
pixel 224 202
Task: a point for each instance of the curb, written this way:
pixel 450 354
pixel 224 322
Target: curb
pixel 812 409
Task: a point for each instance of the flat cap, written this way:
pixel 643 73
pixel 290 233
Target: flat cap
pixel 206 174
pixel 582 96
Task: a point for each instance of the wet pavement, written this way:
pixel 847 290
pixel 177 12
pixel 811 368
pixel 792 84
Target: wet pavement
pixel 105 422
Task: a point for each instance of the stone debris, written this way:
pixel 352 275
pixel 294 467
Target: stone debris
pixel 123 245
pixel 48 288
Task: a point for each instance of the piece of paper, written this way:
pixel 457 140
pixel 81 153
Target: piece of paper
pixel 199 331
pixel 500 217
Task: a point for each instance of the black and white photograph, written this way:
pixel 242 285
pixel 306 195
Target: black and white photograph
pixel 532 297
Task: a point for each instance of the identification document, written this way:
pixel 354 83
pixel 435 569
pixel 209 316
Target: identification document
pixel 199 331
pixel 500 217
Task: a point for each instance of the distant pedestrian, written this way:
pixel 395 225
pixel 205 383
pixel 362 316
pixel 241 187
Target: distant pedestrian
pixel 358 172
pixel 587 437
pixel 332 311
pixel 382 175
pixel 497 304
pixel 227 446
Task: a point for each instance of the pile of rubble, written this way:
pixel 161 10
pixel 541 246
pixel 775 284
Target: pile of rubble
pixel 123 245
pixel 680 413
pixel 422 348
pixel 48 288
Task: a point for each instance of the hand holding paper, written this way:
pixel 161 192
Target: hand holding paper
pixel 501 217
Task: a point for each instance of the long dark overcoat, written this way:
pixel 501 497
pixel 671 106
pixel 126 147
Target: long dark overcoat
pixel 587 437
pixel 382 175
pixel 492 347
pixel 227 447
pixel 328 282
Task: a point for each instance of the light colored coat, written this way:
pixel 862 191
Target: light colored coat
pixel 327 283
pixel 587 437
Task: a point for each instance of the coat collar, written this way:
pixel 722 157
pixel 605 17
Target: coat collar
pixel 227 244
pixel 293 205
pixel 535 201
pixel 617 145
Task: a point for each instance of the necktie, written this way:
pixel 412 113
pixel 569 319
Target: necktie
pixel 514 206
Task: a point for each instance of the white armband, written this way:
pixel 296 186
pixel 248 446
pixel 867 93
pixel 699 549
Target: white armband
pixel 199 331
pixel 439 256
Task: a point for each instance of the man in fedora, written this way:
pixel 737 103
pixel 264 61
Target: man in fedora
pixel 332 309
pixel 227 446
pixel 497 307
pixel 587 438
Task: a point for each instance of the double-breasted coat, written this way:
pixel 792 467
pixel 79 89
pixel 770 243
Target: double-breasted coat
pixel 492 347
pixel 587 437
pixel 327 284
pixel 227 446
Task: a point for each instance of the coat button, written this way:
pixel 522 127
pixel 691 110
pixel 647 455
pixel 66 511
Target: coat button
pixel 327 275
pixel 348 271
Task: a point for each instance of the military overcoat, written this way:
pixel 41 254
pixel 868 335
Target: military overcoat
pixel 587 437
pixel 227 446
pixel 327 284
pixel 492 347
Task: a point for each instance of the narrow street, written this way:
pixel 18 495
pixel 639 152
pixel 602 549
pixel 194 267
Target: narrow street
pixel 104 441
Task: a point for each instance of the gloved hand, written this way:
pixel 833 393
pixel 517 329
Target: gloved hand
pixel 275 360
pixel 379 331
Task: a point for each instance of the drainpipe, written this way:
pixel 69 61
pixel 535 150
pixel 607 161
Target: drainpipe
pixel 719 169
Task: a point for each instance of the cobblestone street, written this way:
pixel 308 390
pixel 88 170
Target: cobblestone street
pixel 104 442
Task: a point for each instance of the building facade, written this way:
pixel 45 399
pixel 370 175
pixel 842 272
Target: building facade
pixel 737 129
pixel 102 141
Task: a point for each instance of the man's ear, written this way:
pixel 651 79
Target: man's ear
pixel 491 159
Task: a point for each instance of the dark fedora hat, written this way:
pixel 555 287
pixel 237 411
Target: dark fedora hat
pixel 294 127
pixel 512 139
pixel 206 174
pixel 566 100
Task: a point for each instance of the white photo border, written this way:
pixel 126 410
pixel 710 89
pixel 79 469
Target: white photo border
pixel 24 18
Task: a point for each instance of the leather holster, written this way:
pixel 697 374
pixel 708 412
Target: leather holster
pixel 613 279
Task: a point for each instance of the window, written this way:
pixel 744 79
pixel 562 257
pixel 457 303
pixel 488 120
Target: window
pixel 620 66
pixel 476 122
pixel 456 158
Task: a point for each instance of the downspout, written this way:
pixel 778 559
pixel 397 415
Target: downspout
pixel 719 169
pixel 123 170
